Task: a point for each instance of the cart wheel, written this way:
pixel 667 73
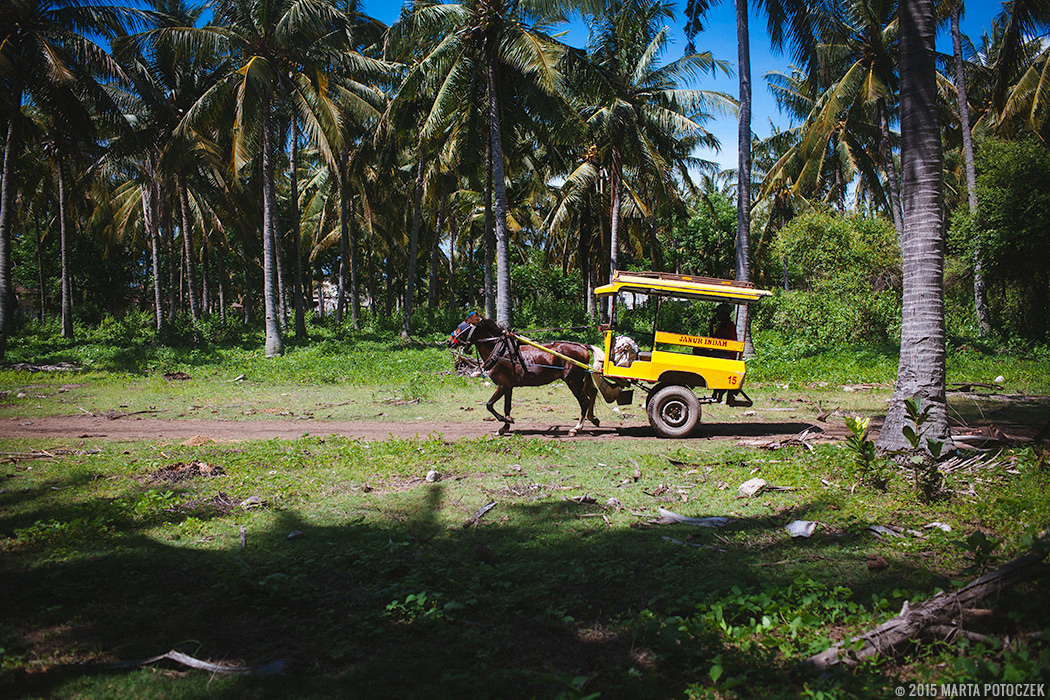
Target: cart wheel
pixel 673 411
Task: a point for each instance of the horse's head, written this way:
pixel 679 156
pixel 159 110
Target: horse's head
pixel 464 332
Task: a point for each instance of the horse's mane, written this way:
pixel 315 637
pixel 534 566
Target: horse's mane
pixel 489 326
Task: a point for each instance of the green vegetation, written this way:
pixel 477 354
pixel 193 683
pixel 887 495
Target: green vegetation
pixel 554 593
pixel 359 577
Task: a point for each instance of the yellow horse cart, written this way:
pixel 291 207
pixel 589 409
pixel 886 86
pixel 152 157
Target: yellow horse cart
pixel 676 354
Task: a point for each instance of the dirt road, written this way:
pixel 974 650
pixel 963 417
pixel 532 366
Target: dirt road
pixel 140 428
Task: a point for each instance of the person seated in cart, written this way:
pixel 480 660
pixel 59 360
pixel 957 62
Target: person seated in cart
pixel 722 326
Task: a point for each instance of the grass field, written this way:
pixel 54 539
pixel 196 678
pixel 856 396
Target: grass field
pixel 339 565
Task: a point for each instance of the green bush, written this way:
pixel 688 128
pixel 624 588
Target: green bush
pixel 845 274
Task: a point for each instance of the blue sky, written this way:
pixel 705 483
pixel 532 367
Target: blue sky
pixel 720 40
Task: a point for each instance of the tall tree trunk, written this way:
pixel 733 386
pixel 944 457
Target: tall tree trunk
pixel 921 373
pixel 499 194
pixel 413 247
pixel 655 249
pixel 452 268
pixel 489 236
pixel 615 188
pixel 7 220
pixel 435 250
pixel 168 233
pixel 274 343
pixel 743 185
pixel 980 296
pixel 297 278
pixel 388 300
pixel 39 265
pixel 205 276
pixel 282 296
pixel 319 279
pixel 587 265
pixel 220 274
pixel 187 248
pixel 149 220
pixel 355 296
pixel 889 165
pixel 344 237
pixel 63 243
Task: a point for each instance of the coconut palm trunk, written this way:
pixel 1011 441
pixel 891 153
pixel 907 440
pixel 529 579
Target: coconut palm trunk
pixel 980 297
pixel 274 343
pixel 187 248
pixel 39 252
pixel 413 248
pixel 435 250
pixel 7 219
pixel 452 268
pixel 489 236
pixel 889 165
pixel 921 373
pixel 743 185
pixel 149 220
pixel 615 189
pixel 297 277
pixel 355 289
pixel 63 247
pixel 168 233
pixel 344 238
pixel 499 195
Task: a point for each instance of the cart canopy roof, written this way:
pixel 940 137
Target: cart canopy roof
pixel 682 286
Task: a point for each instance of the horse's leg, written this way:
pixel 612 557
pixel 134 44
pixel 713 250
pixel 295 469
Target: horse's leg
pixel 506 405
pixel 577 384
pixel 590 391
pixel 500 390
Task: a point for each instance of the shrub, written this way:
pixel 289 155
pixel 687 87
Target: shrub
pixel 846 274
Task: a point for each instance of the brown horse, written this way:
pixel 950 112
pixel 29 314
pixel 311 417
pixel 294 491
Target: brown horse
pixel 509 363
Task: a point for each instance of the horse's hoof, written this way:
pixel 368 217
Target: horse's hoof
pixel 572 432
pixel 508 420
pixel 504 429
pixel 597 423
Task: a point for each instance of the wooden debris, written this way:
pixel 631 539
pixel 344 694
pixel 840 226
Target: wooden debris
pixel 969 465
pixel 44 454
pixel 29 367
pixel 936 617
pixel 802 439
pixel 667 517
pixel 967 387
pixel 273 668
pixel 479 514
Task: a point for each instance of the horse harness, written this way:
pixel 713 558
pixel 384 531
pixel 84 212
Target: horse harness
pixel 507 349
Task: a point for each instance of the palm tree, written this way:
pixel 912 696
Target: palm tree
pixel 487 49
pixel 792 16
pixel 1021 20
pixel 47 57
pixel 168 80
pixel 980 299
pixel 921 373
pixel 640 113
pixel 272 43
pixel 847 123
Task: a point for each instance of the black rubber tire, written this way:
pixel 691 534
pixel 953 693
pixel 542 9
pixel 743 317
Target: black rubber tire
pixel 674 411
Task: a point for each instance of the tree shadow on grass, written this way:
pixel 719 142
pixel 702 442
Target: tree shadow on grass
pixel 534 599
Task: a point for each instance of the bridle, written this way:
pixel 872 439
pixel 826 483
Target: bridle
pixel 504 350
